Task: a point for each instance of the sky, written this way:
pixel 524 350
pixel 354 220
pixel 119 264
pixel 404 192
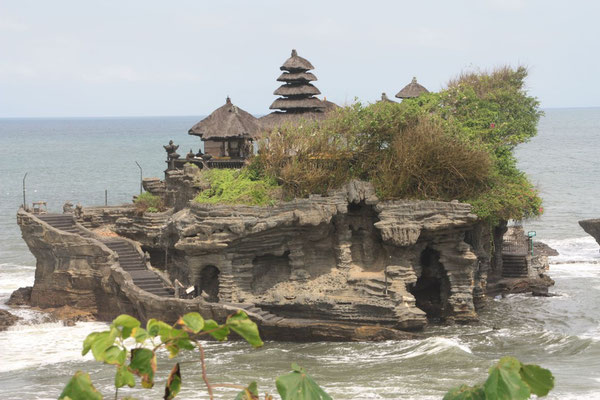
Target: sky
pixel 73 58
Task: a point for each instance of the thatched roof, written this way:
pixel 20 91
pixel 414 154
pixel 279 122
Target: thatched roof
pixel 413 89
pixel 296 63
pixel 385 98
pixel 228 121
pixel 297 104
pixel 297 90
pixel 296 77
pixel 278 118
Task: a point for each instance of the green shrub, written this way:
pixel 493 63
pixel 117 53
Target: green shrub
pixel 231 186
pixel 147 202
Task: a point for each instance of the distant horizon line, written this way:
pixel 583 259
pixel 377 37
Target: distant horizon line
pixel 205 115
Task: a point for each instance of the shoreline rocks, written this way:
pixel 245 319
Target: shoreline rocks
pixel 591 227
pixel 7 320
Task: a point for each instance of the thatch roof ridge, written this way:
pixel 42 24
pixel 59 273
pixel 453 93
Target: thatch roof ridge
pixel 297 90
pixel 385 98
pixel 296 77
pixel 227 121
pixel 283 103
pixel 413 89
pixel 296 63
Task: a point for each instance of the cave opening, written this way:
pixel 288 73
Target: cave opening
pixel 432 288
pixel 208 282
pixel 366 243
pixel 268 270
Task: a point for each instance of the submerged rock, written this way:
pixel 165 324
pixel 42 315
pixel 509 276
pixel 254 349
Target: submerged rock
pixel 7 320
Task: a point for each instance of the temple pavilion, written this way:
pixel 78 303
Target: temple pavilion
pixel 412 90
pixel 227 134
pixel 297 101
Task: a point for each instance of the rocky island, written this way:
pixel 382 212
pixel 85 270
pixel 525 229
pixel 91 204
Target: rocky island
pixel 354 234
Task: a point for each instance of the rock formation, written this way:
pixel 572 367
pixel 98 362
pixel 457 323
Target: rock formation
pixel 591 227
pixel 345 266
pixel 7 320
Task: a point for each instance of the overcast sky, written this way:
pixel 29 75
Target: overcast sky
pixel 136 58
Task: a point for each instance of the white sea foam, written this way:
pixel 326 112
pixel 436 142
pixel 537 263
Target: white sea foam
pixel 574 250
pixel 27 346
pixel 436 345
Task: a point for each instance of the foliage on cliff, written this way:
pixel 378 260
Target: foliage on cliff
pixel 229 186
pixel 454 144
pixel 147 202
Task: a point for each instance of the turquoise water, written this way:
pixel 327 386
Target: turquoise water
pixel 77 159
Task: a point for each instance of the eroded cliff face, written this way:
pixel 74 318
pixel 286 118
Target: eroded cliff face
pixel 344 257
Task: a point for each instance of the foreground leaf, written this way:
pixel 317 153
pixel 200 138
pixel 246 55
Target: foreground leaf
pixel 127 323
pixel 539 380
pixel 219 332
pixel 89 340
pixel 465 392
pixel 173 383
pixel 245 327
pixel 143 364
pixel 124 377
pixel 193 321
pixel 102 342
pixel 115 355
pixel 297 385
pixel 249 393
pixel 504 382
pixel 80 388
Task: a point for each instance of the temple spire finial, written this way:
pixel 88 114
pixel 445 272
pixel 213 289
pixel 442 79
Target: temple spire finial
pixel 294 53
pixel 228 100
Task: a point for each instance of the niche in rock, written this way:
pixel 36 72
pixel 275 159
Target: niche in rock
pixel 367 245
pixel 432 288
pixel 208 282
pixel 268 270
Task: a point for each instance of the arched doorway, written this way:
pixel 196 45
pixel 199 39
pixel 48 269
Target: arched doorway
pixel 208 282
pixel 432 288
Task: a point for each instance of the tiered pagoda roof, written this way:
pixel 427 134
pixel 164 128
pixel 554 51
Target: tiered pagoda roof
pixel 297 102
pixel 297 92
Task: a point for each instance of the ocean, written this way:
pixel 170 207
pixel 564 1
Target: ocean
pixel 78 159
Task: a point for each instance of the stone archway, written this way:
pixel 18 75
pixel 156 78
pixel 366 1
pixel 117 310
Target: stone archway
pixel 208 282
pixel 432 288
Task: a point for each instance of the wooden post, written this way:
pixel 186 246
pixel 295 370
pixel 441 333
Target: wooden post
pixel 24 200
pixel 105 197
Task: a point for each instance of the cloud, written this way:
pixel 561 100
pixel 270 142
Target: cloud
pixel 508 5
pixel 10 25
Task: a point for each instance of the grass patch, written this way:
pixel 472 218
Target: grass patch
pixel 231 186
pixel 147 202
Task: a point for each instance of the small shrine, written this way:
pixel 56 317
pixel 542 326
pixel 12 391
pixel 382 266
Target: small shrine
pixel 228 134
pixel 412 90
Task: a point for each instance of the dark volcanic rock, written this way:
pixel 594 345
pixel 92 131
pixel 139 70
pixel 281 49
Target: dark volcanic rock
pixel 592 228
pixel 7 319
pixel 20 297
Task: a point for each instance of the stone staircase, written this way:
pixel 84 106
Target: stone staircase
pixel 514 265
pixel 253 309
pixel 129 258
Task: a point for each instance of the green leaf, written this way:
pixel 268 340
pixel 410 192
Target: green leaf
pixel 464 392
pixel 246 328
pixel 539 380
pixel 297 385
pixel 140 334
pixel 173 385
pixel 249 393
pixel 127 323
pixel 103 341
pixel 156 327
pixel 219 332
pixel 115 355
pixel 80 387
pixel 504 382
pixel 89 340
pixel 124 377
pixel 193 321
pixel 143 364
